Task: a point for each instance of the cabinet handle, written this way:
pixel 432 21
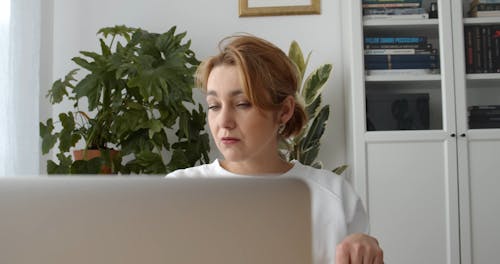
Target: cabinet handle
pixel 462 135
pixel 453 135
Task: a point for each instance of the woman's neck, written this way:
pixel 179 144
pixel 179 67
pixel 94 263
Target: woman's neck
pixel 268 167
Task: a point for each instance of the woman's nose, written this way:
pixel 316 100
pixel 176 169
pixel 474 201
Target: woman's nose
pixel 226 118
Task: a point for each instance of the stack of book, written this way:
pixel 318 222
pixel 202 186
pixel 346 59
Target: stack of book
pixel 399 53
pixel 482 49
pixel 484 8
pixel 484 116
pixel 394 9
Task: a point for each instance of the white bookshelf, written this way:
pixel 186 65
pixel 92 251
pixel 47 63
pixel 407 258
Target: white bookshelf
pixel 444 179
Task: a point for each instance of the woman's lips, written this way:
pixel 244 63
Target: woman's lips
pixel 229 140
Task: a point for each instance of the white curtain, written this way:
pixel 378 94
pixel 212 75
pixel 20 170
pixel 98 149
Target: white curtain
pixel 19 88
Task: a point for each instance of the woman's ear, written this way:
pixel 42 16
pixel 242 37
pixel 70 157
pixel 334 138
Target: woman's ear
pixel 287 109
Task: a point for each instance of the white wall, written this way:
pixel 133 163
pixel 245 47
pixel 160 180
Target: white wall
pixel 76 23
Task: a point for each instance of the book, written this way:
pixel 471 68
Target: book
pixel 390 1
pixel 494 13
pixel 483 107
pixel 476 2
pixel 477 48
pixel 495 35
pixel 469 50
pixel 491 124
pixel 399 51
pixel 395 40
pixel 393 11
pixel 391 5
pixel 401 65
pixel 410 72
pixel 403 16
pixel 399 46
pixel 487 7
pixel 402 58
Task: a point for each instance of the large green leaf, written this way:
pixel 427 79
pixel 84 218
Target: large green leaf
pixel 48 139
pixel 90 87
pixel 315 132
pixel 58 90
pixel 151 163
pixel 314 83
pixel 295 54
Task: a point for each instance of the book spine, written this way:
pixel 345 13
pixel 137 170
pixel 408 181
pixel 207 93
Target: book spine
pixel 395 40
pixel 390 1
pixel 410 16
pixel 485 112
pixel 496 48
pixel 399 51
pixel 484 48
pixel 393 11
pixel 401 65
pixel 483 107
pixel 487 7
pixel 402 58
pixel 399 46
pixel 391 5
pixel 469 51
pixel 478 58
pixel 489 48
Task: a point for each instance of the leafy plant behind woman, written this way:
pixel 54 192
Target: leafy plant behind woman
pixel 136 95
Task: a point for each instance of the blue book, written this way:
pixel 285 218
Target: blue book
pixel 395 40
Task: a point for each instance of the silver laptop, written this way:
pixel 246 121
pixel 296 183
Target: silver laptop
pixel 120 220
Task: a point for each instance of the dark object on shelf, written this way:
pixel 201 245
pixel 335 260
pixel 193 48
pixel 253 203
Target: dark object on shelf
pixel 397 111
pixel 484 116
pixel 433 10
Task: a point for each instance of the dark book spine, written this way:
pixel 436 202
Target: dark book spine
pixel 402 58
pixel 400 65
pixel 474 125
pixel 496 48
pixel 483 107
pixel 478 58
pixel 484 48
pixel 469 51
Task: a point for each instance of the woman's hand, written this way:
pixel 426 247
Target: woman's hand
pixel 359 249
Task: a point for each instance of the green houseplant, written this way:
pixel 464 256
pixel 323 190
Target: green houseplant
pixel 136 97
pixel 305 146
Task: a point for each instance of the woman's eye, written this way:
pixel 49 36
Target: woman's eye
pixel 243 105
pixel 213 107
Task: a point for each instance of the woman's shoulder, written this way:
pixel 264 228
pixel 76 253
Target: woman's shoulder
pixel 324 179
pixel 200 171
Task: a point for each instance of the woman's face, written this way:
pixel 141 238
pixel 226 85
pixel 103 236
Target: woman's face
pixel 241 131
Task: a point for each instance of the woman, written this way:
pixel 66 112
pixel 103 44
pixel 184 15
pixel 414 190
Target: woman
pixel 250 91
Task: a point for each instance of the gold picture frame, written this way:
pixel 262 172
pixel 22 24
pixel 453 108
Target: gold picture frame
pixel 248 8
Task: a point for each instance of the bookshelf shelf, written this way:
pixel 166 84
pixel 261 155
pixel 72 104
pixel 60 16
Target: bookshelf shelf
pixel 483 76
pixel 481 20
pixel 403 78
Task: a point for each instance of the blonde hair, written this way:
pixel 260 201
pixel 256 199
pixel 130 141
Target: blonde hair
pixel 267 75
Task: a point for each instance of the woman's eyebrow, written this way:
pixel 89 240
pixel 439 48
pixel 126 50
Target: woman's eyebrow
pixel 233 93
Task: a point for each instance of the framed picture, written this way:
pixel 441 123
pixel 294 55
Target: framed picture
pixel 278 7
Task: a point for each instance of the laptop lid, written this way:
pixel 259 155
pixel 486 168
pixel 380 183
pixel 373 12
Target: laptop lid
pixel 61 220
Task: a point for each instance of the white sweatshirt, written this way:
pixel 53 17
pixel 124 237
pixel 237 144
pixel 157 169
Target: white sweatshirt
pixel 336 208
